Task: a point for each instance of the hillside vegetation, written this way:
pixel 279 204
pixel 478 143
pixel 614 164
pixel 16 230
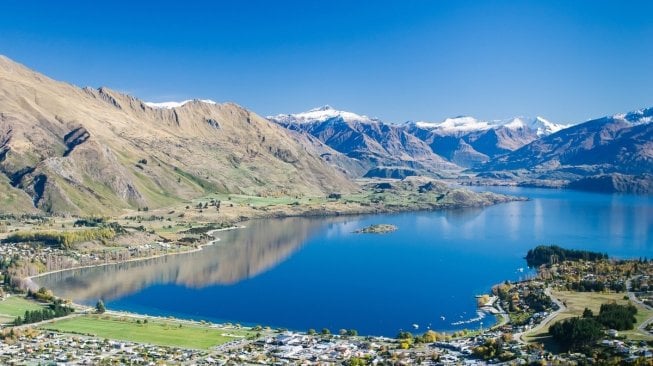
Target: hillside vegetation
pixel 68 150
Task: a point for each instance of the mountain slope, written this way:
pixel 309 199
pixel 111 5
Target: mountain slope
pixel 614 143
pixel 369 141
pixel 614 183
pixel 613 153
pixel 70 150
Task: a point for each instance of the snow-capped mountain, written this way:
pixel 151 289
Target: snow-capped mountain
pixel 455 125
pixel 171 105
pixel 638 117
pixel 463 140
pixel 320 114
pixel 619 143
pixel 540 125
pixel 368 140
pixel 465 124
pixel 469 142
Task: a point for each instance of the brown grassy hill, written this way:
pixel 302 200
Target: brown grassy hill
pixel 69 150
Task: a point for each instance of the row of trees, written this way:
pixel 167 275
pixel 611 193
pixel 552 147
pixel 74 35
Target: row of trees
pixel 597 286
pixel 89 222
pixel 62 239
pixel 55 310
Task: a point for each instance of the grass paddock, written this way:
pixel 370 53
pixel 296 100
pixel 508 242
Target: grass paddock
pixel 576 302
pixel 158 332
pixel 15 306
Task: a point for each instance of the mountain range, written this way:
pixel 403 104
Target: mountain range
pixel 612 153
pixel 429 147
pixel 71 150
pixel 469 142
pixel 379 147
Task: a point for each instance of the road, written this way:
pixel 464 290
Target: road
pixel 79 311
pixel 545 321
pixel 38 324
pixel 505 318
pixel 633 298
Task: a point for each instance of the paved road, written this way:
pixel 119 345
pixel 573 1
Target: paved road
pixel 547 320
pixel 633 298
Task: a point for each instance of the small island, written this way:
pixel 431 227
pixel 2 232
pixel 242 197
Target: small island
pixel 377 229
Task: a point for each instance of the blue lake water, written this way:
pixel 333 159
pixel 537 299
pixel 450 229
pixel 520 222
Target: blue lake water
pixel 301 273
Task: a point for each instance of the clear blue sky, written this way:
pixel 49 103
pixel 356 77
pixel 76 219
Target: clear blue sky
pixel 398 60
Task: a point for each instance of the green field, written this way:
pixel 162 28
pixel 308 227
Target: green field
pixel 576 302
pixel 15 306
pixel 159 332
pixel 255 201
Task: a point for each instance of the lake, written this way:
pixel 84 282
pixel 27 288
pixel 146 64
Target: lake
pixel 301 273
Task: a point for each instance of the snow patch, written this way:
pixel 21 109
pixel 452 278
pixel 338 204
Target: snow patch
pixel 456 125
pixel 171 105
pixel 465 124
pixel 320 114
pixel 638 117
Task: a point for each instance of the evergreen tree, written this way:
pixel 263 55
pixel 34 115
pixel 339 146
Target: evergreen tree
pixel 99 307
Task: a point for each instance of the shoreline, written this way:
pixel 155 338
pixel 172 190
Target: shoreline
pixel 30 279
pixel 373 210
pixel 308 212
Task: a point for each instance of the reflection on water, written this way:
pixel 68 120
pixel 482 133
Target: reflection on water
pixel 302 273
pixel 238 255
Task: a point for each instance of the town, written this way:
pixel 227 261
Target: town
pixel 567 285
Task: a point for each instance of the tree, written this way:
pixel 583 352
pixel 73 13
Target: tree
pixel 325 331
pixel 312 332
pixel 619 317
pixel 429 337
pixel 576 333
pixel 355 361
pixel 404 335
pixel 99 307
pixel 587 313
